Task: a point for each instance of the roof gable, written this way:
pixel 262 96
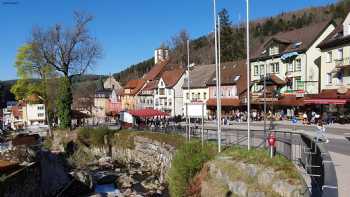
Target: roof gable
pixel 296 40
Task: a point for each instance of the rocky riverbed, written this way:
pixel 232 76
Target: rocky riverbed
pixel 115 179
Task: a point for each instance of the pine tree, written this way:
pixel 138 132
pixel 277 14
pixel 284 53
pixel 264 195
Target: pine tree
pixel 226 36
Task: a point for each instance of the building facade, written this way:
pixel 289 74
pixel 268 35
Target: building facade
pixel 168 95
pixel 34 114
pixel 293 57
pixel 198 94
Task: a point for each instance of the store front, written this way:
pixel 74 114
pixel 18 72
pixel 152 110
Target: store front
pixel 334 105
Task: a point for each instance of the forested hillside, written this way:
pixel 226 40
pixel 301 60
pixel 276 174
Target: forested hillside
pixel 233 37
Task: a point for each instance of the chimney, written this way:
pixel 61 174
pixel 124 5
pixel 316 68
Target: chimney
pixel 160 55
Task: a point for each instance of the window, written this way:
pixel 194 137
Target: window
pixel 329 78
pixel 262 69
pixel 188 96
pixel 198 95
pixel 298 65
pixel 40 107
pixel 204 95
pixel 169 102
pixel 256 70
pixel 161 91
pixel 275 67
pixel 298 83
pixel 329 57
pixel 274 50
pixel 193 96
pixel 340 54
pixel 290 66
pixel 40 115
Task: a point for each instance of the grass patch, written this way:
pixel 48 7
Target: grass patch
pixel 187 162
pixel 261 157
pixel 95 136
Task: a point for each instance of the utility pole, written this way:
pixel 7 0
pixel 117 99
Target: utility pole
pixel 188 88
pixel 248 75
pixel 217 79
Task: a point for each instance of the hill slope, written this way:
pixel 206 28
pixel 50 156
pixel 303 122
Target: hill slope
pixel 233 47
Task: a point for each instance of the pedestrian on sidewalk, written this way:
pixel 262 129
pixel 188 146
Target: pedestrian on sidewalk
pixel 321 133
pixel 305 118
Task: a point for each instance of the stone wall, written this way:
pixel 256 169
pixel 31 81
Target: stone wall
pixel 150 154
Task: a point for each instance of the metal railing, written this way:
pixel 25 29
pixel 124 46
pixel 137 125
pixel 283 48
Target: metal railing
pixel 299 148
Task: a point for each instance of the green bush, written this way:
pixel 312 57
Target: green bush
pixel 188 160
pixel 95 136
pixel 81 158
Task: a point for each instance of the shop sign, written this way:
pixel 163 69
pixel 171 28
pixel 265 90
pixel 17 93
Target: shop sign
pixel 300 93
pixel 267 99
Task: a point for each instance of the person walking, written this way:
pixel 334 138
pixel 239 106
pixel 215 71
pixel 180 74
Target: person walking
pixel 321 133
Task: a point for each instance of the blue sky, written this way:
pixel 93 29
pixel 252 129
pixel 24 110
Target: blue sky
pixel 128 30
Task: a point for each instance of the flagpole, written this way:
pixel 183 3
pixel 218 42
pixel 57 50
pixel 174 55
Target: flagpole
pixel 248 75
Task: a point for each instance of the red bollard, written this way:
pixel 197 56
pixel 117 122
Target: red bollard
pixel 272 143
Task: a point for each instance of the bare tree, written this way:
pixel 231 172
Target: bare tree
pixel 69 51
pixel 178 46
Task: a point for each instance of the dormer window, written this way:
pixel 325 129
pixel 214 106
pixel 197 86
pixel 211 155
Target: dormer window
pixel 274 50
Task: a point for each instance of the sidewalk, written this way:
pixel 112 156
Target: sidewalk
pixel 288 123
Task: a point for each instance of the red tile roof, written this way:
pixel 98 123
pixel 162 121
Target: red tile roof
pixel 155 71
pixel 151 85
pixel 134 85
pixel 171 77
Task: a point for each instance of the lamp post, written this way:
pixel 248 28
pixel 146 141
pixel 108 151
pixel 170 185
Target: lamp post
pixel 248 74
pixel 218 115
pixel 188 89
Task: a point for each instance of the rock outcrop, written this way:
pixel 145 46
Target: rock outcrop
pixel 245 179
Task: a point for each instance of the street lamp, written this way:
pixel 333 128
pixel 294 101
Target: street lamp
pixel 248 74
pixel 218 81
pixel 188 89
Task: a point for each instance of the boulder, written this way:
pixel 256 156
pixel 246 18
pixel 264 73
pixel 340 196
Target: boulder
pixel 238 187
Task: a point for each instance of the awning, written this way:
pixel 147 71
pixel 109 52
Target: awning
pixel 225 102
pixel 288 55
pixel 326 101
pixel 291 100
pixel 147 113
